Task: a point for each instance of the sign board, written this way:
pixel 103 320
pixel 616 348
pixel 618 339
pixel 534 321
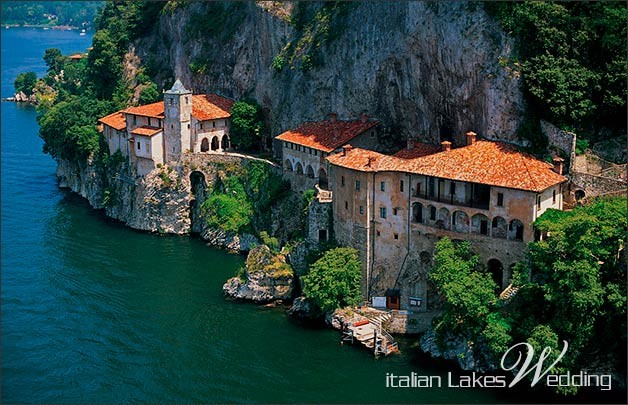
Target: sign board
pixel 378 302
pixel 415 302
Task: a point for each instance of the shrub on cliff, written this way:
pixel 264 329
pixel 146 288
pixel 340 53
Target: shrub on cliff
pixel 25 82
pixel 334 280
pixel 470 304
pixel 246 124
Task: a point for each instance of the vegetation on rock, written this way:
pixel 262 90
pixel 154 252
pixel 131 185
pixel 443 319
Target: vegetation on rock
pixel 333 281
pixel 25 82
pixel 571 287
pixel 572 58
pixel 247 124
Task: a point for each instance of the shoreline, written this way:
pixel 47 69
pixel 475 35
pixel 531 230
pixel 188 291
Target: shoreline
pixel 43 26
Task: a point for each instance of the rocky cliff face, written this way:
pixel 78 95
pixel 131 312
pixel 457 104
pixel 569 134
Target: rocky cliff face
pixel 426 69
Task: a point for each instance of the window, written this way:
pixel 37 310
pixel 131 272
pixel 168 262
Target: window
pixel 357 185
pixel 395 211
pixel 382 212
pixel 500 199
pixel 484 227
pixel 401 186
pixel 346 205
pixel 538 201
pixel 138 145
pixel 187 101
pixel 361 210
pixel 554 197
pixel 433 213
pixel 430 186
pixel 188 126
pixel 170 101
pixel 315 152
pixel 342 181
pixel 396 236
pixel 452 188
pixel 148 147
pixel 383 186
pixel 135 120
pixel 372 134
pixel 149 121
pixel 377 233
pixel 322 235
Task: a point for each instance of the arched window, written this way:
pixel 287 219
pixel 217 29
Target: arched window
pixel 299 168
pixel 204 145
pixel 515 230
pixel 322 179
pixel 287 165
pixel 479 224
pixel 309 172
pixel 500 228
pixel 215 143
pixel 460 221
pixel 417 212
pixel 444 219
pixel 225 144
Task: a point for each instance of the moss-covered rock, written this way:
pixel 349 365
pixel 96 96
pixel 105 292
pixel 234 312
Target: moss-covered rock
pixel 267 277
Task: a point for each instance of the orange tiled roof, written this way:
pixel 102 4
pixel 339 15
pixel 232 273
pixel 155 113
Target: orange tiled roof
pixel 77 56
pixel 485 162
pixel 204 107
pixel 211 107
pixel 146 131
pixel 326 135
pixel 154 110
pixel 115 120
pixel 419 149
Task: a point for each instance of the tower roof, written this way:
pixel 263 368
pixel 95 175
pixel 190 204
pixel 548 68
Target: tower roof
pixel 178 88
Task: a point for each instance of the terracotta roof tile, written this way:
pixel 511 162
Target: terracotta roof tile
pixel 360 159
pixel 154 110
pixel 211 107
pixel 326 135
pixel 419 149
pixel 115 121
pixel 485 162
pixel 146 131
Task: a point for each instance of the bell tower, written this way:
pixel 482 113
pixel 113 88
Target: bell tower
pixel 177 121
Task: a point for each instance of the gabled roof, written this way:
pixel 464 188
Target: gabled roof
pixel 211 107
pixel 154 110
pixel 115 121
pixel 484 162
pixel 146 131
pixel 178 88
pixel 204 107
pixel 326 136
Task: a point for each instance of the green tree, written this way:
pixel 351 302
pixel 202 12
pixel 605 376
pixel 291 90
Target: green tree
pixel 104 65
pixel 573 286
pixel 468 293
pixel 54 60
pixel 333 280
pixel 149 94
pixel 246 124
pixel 25 82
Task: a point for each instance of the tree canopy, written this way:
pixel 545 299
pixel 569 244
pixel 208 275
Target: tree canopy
pixel 25 82
pixel 246 124
pixel 333 280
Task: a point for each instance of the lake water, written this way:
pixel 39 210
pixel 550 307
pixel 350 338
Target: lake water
pixel 93 312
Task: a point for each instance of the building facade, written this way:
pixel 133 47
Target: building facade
pixel 393 210
pixel 160 132
pixel 306 147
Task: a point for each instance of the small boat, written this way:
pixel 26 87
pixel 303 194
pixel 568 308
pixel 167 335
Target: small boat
pixel 82 32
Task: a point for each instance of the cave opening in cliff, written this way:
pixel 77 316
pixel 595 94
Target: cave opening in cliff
pixel 198 187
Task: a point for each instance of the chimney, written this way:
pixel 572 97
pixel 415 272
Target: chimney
pixel 370 160
pixel 333 117
pixel 364 118
pixel 446 146
pixel 558 164
pixel 471 138
pixel 346 149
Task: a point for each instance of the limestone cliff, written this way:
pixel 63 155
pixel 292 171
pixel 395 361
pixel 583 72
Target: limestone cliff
pixel 425 69
pixel 168 199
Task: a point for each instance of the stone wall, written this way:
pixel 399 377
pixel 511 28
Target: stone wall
pixel 593 185
pixel 562 141
pixel 319 222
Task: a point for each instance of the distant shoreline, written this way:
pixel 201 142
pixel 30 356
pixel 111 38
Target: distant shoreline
pixel 53 27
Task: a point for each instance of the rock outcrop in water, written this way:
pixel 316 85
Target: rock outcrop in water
pixel 425 69
pixel 266 277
